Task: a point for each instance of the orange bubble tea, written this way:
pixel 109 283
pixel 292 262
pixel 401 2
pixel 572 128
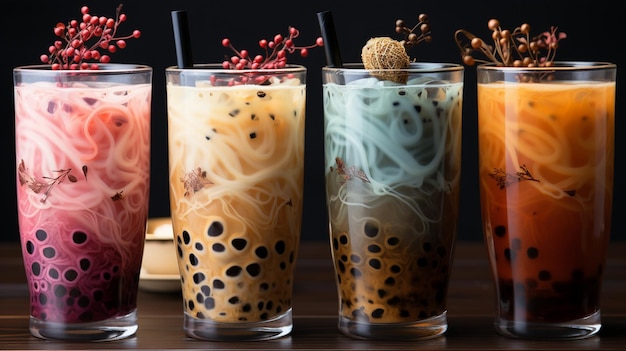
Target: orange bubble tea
pixel 546 178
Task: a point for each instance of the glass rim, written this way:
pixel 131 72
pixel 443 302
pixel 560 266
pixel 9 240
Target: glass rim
pixel 416 67
pixel 104 68
pixel 218 68
pixel 561 66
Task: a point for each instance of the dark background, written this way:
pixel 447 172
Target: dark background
pixel 594 33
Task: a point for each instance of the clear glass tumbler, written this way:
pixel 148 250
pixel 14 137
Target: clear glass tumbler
pixel 546 149
pixel 236 163
pixel 83 180
pixel 393 168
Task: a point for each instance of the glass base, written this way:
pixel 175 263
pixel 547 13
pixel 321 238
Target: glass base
pixel 206 329
pixel 419 330
pixel 570 330
pixel 106 330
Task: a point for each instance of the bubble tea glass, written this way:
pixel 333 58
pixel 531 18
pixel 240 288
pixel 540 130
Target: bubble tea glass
pixel 546 148
pixel 236 161
pixel 83 180
pixel 393 162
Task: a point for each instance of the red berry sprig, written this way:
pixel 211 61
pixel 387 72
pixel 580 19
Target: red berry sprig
pixel 85 43
pixel 276 51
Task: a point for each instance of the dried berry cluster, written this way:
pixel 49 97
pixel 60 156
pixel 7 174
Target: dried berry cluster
pixel 384 53
pixel 511 48
pixel 84 43
pixel 276 51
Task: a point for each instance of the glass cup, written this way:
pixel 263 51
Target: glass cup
pixel 393 164
pixel 83 180
pixel 236 163
pixel 546 148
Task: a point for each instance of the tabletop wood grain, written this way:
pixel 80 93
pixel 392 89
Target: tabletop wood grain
pixel 470 311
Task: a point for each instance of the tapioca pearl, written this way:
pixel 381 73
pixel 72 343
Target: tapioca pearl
pixel 355 258
pixel 247 308
pixel 106 276
pixel 544 275
pixel 233 300
pixel 199 298
pixel 218 284
pixel 427 246
pixel 84 264
pixel 59 290
pixel 79 237
pixel 261 252
pixel 341 266
pixel 280 247
pixel 42 298
pixel 370 229
pixel 335 244
pixel 532 252
pixel 393 241
pixel 260 305
pixel 390 281
pixel 355 272
pixel 30 247
pixel 191 305
pixel 218 247
pixel 508 255
pixel 239 243
pixel 374 248
pixel 254 269
pixel 199 246
pixel 343 239
pixel 41 235
pixel 375 263
pixel 209 303
pixel 186 237
pixel 35 268
pixel 193 259
pixel 442 251
pixel 292 257
pixel 206 290
pixel 49 252
pixel 499 231
pixel 378 313
pixel 70 275
pixel 422 262
pixel 282 266
pixel 179 251
pixel 83 301
pixel 264 287
pixel 394 268
pixel 233 271
pixel 53 273
pixel 198 277
pixel 215 229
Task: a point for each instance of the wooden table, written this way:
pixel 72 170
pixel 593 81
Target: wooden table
pixel 315 312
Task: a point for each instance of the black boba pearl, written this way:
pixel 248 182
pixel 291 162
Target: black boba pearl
pixel 215 229
pixel 217 247
pixel 53 273
pixel 427 247
pixel 218 284
pixel 532 252
pixel 36 268
pixel 355 272
pixel 30 247
pixel 199 246
pixel 198 277
pixel 393 241
pixel 239 244
pixel 261 252
pixel 499 231
pixel 280 247
pixel 206 290
pixel 375 263
pixel 60 290
pixel 343 239
pixel 395 268
pixel 79 237
pixel 193 259
pixel 41 235
pixel 253 269
pixel 233 271
pixel 335 244
pixel 233 300
pixel 355 258
pixel 422 262
pixel 180 251
pixel 199 298
pixel 70 275
pixel 374 248
pixel 545 275
pixel 370 230
pixel 186 237
pixel 85 264
pixel 49 252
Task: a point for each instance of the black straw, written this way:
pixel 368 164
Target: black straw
pixel 182 39
pixel 331 44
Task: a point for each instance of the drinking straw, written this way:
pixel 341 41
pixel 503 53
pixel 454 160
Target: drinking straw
pixel 182 39
pixel 331 45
